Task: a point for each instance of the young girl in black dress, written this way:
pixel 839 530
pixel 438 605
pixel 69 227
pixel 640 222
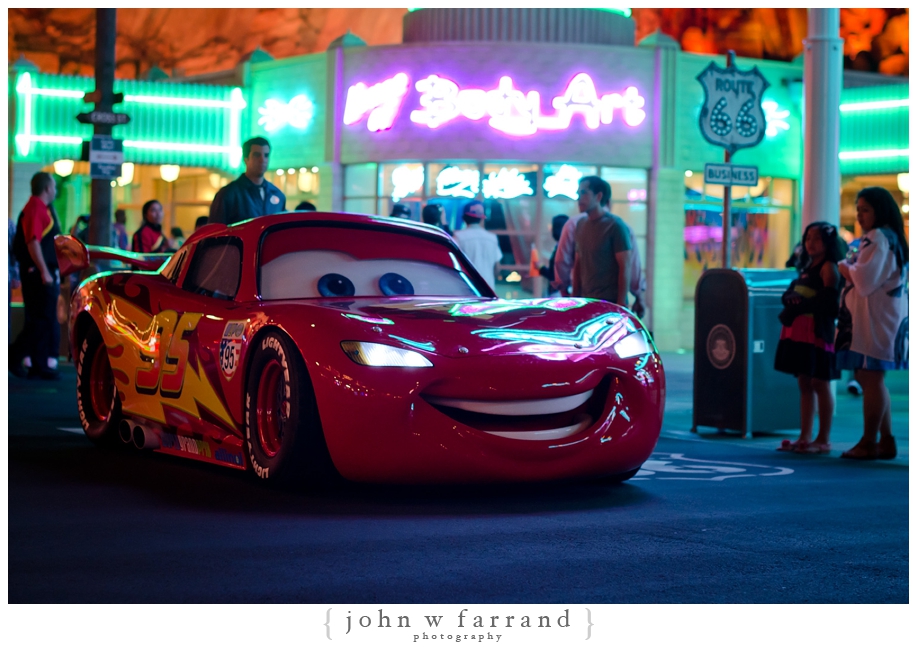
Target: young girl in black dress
pixel 806 346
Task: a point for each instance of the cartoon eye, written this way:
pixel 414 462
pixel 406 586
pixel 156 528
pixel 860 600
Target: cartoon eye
pixel 395 285
pixel 335 285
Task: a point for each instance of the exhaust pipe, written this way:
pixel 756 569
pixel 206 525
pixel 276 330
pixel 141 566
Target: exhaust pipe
pixel 126 431
pixel 145 438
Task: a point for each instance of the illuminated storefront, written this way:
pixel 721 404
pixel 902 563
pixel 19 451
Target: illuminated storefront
pixel 507 118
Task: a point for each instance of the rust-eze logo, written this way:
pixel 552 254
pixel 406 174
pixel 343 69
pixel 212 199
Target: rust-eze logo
pixel 721 346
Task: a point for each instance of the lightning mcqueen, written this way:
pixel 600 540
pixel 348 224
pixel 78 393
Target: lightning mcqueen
pixel 301 344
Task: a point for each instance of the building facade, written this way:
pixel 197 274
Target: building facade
pixel 510 107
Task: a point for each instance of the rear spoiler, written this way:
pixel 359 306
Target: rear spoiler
pixel 73 256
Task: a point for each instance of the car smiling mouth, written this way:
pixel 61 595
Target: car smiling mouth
pixel 543 419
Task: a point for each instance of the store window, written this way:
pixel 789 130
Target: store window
pixel 360 188
pixel 452 186
pixel 298 184
pixel 401 183
pixel 520 200
pixel 510 203
pixel 761 219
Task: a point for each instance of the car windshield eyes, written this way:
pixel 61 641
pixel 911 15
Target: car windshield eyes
pixel 335 285
pixel 395 285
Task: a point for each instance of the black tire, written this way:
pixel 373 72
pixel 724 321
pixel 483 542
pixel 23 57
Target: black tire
pixel 283 431
pixel 97 398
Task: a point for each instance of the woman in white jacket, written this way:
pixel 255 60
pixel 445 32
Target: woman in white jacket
pixel 872 332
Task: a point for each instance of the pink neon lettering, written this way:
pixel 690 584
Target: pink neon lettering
pixel 510 110
pixel 382 101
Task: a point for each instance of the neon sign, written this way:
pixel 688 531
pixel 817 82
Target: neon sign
pixel 774 117
pixel 27 89
pixel 407 179
pixel 565 182
pixel 277 114
pixel 506 184
pixel 381 102
pixel 454 182
pixel 510 110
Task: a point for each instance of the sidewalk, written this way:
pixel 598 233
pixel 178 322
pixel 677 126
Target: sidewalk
pixel 846 430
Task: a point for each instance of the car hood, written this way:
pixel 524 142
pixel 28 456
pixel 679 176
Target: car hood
pixel 476 327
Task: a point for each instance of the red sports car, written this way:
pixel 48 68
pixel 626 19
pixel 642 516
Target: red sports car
pixel 302 343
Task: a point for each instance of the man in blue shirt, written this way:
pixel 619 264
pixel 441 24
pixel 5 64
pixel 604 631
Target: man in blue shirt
pixel 249 195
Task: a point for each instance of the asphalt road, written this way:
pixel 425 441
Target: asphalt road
pixel 705 522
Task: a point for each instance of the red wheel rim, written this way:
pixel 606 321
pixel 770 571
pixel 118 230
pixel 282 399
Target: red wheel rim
pixel 270 405
pixel 101 385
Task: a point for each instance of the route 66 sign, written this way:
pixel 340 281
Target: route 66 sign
pixel 731 116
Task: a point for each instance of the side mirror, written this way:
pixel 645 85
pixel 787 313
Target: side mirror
pixel 72 255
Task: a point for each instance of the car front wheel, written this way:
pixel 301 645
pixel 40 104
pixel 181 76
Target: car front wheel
pixel 283 432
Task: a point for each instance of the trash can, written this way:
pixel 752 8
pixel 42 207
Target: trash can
pixel 736 331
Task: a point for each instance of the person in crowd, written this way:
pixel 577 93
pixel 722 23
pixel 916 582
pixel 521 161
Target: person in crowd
pixel 478 244
pixel 80 228
pixel 80 231
pixel 149 239
pixel 305 205
pixel 119 237
pixel 547 271
pixel 497 222
pixel 177 239
pixel 564 255
pixel 12 278
pixel 200 222
pixel 872 334
pixel 793 262
pixel 433 214
pixel 33 246
pixel 400 211
pixel 806 346
pixel 250 195
pixel 602 257
pixel 563 264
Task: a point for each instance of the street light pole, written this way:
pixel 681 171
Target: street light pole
pixel 100 213
pixel 727 190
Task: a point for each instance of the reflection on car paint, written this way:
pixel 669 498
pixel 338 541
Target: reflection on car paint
pixel 155 369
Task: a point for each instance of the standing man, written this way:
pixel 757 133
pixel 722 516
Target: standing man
pixel 601 267
pixel 479 245
pixel 564 255
pixel 40 336
pixel 249 195
pixel 432 214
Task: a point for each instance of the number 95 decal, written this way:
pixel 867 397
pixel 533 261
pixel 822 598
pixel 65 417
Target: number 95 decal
pixel 231 348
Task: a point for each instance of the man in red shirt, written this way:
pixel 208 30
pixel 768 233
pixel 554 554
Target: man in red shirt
pixel 40 336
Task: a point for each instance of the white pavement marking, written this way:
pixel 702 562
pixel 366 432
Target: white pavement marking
pixel 677 467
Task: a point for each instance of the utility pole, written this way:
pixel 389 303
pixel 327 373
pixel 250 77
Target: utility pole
pixel 100 214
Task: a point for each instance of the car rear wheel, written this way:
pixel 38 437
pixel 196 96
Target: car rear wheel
pixel 283 432
pixel 97 398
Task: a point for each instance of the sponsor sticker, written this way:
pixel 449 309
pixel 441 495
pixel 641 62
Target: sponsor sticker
pixel 231 348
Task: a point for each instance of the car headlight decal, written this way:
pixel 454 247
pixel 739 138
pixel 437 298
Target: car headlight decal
pixel 632 345
pixel 370 354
